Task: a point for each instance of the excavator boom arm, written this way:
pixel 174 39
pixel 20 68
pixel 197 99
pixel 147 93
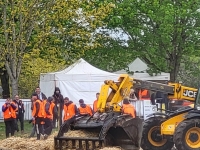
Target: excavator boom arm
pixel 173 90
pixel 113 93
pixel 153 86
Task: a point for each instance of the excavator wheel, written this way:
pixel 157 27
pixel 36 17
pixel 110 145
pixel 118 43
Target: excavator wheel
pixel 187 135
pixel 151 138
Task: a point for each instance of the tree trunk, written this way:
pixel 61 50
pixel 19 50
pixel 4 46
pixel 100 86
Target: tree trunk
pixel 174 69
pixel 14 85
pixel 4 83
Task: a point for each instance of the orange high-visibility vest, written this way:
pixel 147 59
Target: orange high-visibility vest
pixel 50 116
pixel 129 109
pixel 52 105
pixel 142 94
pixel 16 106
pixel 86 110
pixel 69 111
pixel 95 106
pixel 41 110
pixel 9 113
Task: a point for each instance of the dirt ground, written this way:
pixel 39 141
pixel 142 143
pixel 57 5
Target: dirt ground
pixel 24 143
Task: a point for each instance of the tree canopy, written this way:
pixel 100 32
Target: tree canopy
pixel 63 26
pixel 160 32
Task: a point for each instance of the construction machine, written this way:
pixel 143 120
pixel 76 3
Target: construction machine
pixel 159 128
pixel 187 133
pixel 109 127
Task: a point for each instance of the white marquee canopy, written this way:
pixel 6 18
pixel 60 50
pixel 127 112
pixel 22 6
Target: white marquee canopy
pixel 79 81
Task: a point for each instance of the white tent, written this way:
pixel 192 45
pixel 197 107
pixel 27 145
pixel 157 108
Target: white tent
pixel 79 81
pixel 140 71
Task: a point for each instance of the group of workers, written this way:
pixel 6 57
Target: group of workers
pixel 45 110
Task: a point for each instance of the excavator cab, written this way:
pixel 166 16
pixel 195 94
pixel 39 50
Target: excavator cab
pixel 160 101
pixel 107 127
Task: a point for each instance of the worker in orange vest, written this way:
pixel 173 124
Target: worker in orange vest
pixel 9 115
pixel 55 111
pixel 84 109
pixel 128 108
pixel 95 103
pixel 144 94
pixel 38 115
pixel 70 109
pixel 48 114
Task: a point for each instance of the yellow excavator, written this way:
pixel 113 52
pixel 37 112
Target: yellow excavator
pixel 187 133
pixel 109 127
pixel 159 128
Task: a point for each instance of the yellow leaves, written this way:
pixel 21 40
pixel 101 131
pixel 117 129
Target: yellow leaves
pixel 112 5
pixel 33 65
pixel 64 23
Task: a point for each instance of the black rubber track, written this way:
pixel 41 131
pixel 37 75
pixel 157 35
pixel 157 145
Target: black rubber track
pixel 148 124
pixel 180 134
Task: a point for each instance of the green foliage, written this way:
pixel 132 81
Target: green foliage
pixel 160 32
pixel 112 56
pixel 189 72
pixel 57 29
pixel 32 66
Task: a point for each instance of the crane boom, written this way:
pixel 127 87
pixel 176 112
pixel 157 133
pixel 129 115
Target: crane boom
pixel 173 90
pixel 153 86
pixel 121 89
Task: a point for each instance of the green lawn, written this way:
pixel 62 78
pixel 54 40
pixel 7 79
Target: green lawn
pixel 27 130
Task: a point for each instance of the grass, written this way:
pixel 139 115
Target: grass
pixel 27 130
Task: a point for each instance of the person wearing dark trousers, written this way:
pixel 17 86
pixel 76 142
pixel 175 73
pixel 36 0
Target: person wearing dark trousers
pixel 16 111
pixel 9 114
pixel 70 109
pixel 38 116
pixel 32 120
pixel 48 117
pixel 58 100
pixel 55 112
pixel 20 113
pixel 33 131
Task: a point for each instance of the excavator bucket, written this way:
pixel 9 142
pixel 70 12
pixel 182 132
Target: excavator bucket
pixel 93 133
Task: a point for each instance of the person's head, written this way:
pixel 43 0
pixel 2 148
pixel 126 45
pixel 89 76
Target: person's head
pixel 132 90
pixel 81 101
pixel 50 98
pixel 37 90
pixel 97 95
pixel 8 100
pixel 44 98
pixel 16 97
pixel 53 101
pixel 66 100
pixel 57 90
pixel 34 97
pixel 126 100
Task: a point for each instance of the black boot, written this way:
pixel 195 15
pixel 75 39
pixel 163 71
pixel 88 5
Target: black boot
pixel 38 136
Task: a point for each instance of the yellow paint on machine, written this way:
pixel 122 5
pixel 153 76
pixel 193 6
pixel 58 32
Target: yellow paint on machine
pixel 168 127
